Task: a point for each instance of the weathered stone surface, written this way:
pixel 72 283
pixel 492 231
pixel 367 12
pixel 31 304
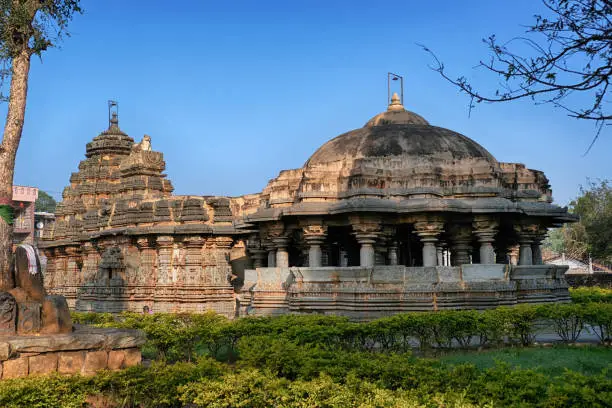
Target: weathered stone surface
pixel 83 338
pixel 94 361
pixel 32 284
pixel 43 363
pixel 8 313
pixel 55 315
pixel 5 350
pixel 14 368
pixel 116 359
pixel 28 318
pixel 133 357
pixel 70 362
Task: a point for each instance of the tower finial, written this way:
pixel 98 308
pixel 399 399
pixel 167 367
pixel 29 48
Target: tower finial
pixel 113 114
pixel 394 77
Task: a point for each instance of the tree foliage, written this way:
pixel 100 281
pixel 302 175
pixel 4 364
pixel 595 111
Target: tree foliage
pixel 27 28
pixel 45 202
pixel 566 51
pixel 592 235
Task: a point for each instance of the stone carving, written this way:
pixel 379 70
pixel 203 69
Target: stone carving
pixel 8 313
pixel 29 318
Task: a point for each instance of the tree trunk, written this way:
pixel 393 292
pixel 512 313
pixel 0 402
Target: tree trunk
pixel 8 150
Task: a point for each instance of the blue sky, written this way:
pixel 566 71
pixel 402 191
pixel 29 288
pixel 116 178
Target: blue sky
pixel 232 92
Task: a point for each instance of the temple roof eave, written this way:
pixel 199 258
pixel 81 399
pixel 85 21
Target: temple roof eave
pixel 413 205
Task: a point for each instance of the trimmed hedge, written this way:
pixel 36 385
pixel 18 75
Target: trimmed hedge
pixel 182 337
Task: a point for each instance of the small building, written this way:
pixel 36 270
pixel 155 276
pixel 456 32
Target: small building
pixel 24 199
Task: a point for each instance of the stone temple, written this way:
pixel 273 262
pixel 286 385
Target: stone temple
pixel 398 215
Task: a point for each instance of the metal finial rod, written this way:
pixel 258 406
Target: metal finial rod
pixel 112 104
pixel 394 77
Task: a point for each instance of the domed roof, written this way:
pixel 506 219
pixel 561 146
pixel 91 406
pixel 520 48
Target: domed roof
pixel 398 132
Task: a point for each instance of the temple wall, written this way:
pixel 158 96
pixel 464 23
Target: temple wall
pixel 165 273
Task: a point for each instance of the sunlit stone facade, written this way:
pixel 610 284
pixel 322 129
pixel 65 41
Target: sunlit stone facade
pixel 398 215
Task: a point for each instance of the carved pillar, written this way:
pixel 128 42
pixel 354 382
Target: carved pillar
pixel 282 256
pixel 256 252
pixel 193 259
pixel 536 246
pixel 146 272
pixel 526 233
pixel 315 236
pixel 164 258
pixel 428 231
pixel 223 269
pixel 271 255
pixel 461 238
pixel 90 262
pixel 75 263
pixel 366 234
pixel 485 228
pixel 440 255
pixel 392 252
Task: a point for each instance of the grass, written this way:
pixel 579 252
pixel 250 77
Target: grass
pixel 550 360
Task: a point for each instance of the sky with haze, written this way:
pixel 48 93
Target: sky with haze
pixel 232 92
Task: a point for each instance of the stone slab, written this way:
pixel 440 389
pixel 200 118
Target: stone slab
pixel 83 338
pixel 94 361
pixel 483 272
pixel 133 357
pixel 116 359
pixel 15 368
pixel 70 362
pixel 43 364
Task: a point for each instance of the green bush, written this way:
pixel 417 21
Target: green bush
pixel 591 294
pixel 599 317
pixel 567 319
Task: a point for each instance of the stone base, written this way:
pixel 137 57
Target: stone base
pixel 369 293
pixel 84 351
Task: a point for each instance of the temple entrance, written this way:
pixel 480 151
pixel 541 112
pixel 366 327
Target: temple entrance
pixel 342 248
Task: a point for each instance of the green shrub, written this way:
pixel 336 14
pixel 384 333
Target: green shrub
pixel 567 319
pixel 599 318
pixel 591 294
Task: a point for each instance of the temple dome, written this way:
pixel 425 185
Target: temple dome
pixel 398 132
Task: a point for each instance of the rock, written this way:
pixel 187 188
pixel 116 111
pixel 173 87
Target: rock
pixel 55 315
pixel 15 368
pixel 133 357
pixel 43 364
pixel 28 317
pixel 94 361
pixel 5 351
pixel 70 362
pixel 116 359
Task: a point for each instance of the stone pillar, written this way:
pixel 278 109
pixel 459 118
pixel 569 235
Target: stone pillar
pixel 282 256
pixel 366 234
pixel 485 228
pixel 536 246
pixel 440 255
pixel 257 255
pixel 392 253
pixel 527 233
pixel 461 238
pixel 193 259
pixel 90 262
pixel 536 253
pixel 271 258
pixel 146 274
pixel 428 231
pixel 223 246
pixel 315 236
pixel 343 258
pixel 255 251
pixel 164 258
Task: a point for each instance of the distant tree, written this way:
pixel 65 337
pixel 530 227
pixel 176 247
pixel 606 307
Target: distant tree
pixel 592 235
pixel 45 202
pixel 567 52
pixel 27 28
